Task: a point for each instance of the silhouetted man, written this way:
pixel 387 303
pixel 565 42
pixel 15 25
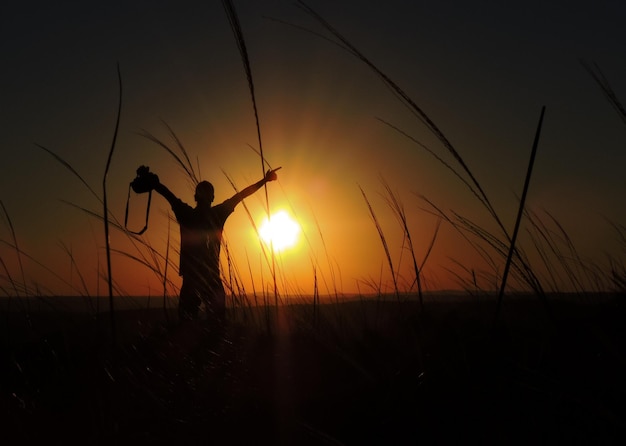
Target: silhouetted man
pixel 200 242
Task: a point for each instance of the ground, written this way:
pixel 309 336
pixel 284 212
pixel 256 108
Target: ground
pixel 353 373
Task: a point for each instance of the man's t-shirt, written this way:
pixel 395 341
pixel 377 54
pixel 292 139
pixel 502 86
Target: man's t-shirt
pixel 200 239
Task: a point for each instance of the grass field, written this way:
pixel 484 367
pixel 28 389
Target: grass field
pixel 478 366
pixel 359 372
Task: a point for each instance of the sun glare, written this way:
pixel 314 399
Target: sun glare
pixel 279 231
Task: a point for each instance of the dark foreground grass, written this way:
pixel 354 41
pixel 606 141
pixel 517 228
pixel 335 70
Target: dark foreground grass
pixel 377 372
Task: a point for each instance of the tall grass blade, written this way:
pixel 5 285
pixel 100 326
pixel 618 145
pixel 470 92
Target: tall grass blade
pixel 597 75
pixel 106 208
pixel 182 149
pixel 24 288
pixel 167 256
pixel 414 108
pixel 398 210
pixel 21 266
pixel 69 167
pixel 17 249
pixel 233 18
pixel 183 162
pixel 74 266
pixel 520 212
pixel 431 245
pixel 9 277
pixel 383 240
pixel 431 152
pixel 461 228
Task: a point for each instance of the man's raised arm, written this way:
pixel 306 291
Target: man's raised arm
pixel 270 175
pixel 155 184
pixel 169 196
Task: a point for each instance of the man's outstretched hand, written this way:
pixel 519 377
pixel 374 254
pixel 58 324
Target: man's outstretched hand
pixel 270 175
pixel 152 179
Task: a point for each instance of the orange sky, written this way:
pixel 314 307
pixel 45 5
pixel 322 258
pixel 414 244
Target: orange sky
pixel 481 77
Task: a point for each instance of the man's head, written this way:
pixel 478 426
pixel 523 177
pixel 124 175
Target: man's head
pixel 204 193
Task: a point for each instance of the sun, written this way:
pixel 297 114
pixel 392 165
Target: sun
pixel 279 231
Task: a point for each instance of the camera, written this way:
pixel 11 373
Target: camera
pixel 145 180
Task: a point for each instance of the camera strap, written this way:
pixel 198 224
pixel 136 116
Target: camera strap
pixel 147 213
